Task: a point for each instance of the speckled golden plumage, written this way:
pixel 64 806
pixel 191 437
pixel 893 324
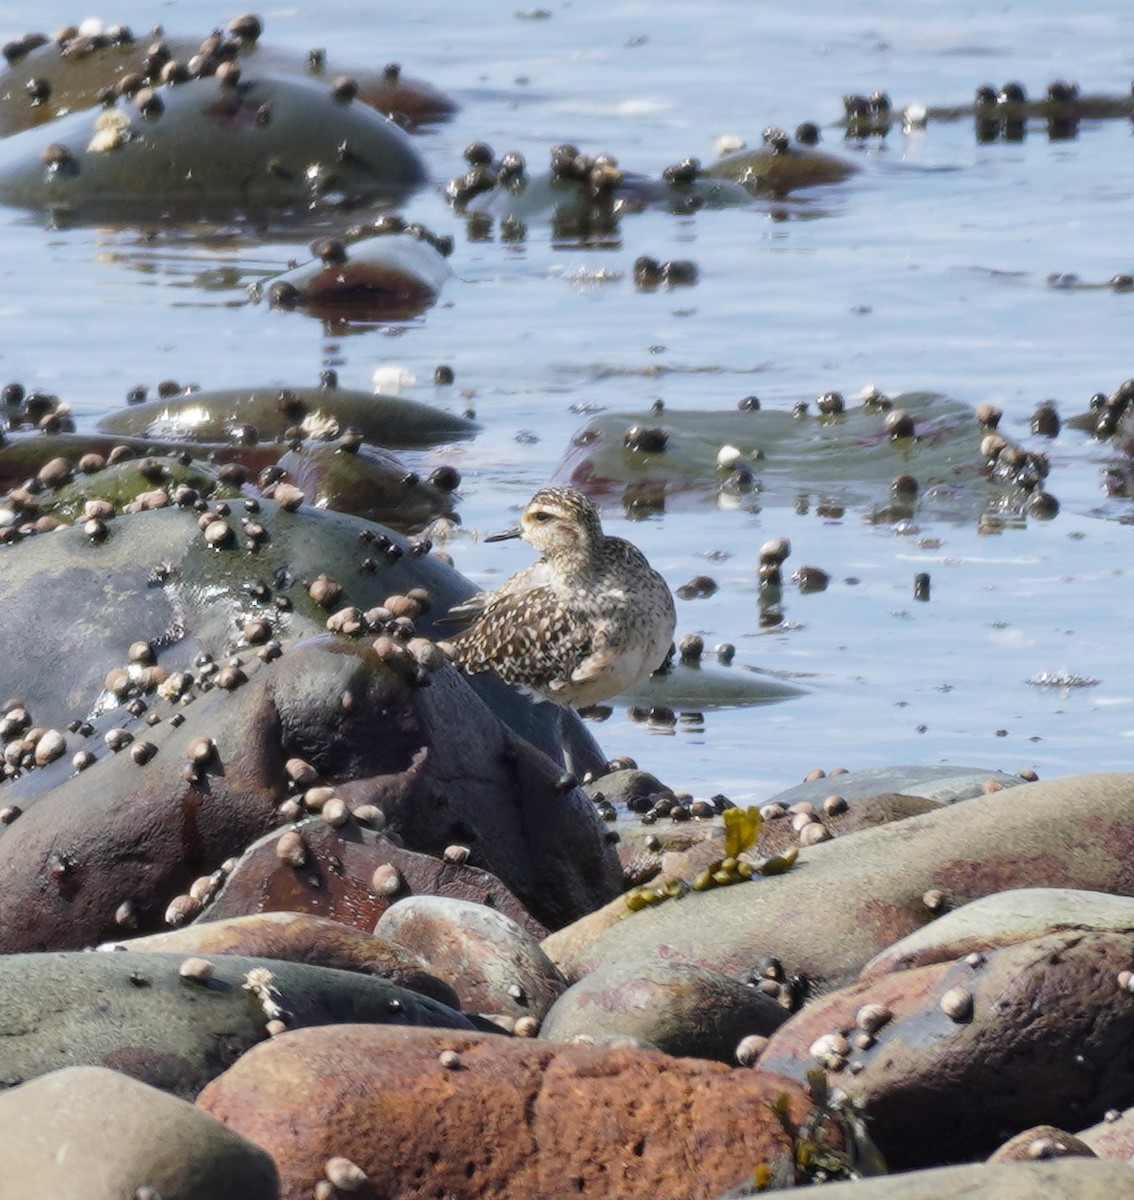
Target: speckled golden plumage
pixel 584 623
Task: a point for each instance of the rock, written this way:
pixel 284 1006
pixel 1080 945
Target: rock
pixel 1112 1137
pixel 871 889
pixel 935 785
pixel 152 820
pixel 88 1133
pixel 393 422
pixel 684 1010
pixel 145 834
pixel 765 172
pixel 574 211
pixel 682 849
pixel 299 937
pixel 1067 1179
pixel 133 1012
pixel 361 480
pixel 76 77
pixel 849 458
pixel 368 483
pixel 1027 1034
pixel 340 880
pixel 496 967
pixel 1042 1142
pixel 207 154
pixel 426 1114
pixel 1017 915
pixel 704 686
pixel 394 277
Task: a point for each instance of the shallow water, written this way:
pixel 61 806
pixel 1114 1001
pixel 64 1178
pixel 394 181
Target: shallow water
pixel 926 272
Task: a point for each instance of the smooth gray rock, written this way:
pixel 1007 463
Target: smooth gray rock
pixel 1061 1179
pixel 846 900
pixel 88 1133
pixel 687 1011
pixel 134 1012
pixel 495 967
pixel 1001 919
pixel 943 785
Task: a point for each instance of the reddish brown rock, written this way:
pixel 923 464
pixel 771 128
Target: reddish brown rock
pixel 428 1115
pixel 120 833
pixel 337 880
pixel 298 937
pixel 1039 1142
pixel 1035 1033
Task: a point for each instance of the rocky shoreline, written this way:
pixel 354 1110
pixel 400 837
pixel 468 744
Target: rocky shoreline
pixel 290 908
pixel 347 902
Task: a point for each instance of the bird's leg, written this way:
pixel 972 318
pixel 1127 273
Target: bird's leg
pixel 564 742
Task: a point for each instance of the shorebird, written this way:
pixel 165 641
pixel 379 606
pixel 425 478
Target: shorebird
pixel 585 622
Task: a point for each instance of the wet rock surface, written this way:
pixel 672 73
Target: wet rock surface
pixel 419 1113
pixel 365 482
pixel 77 68
pixel 773 454
pixel 392 422
pixel 196 765
pixel 122 1139
pixel 210 149
pixel 778 169
pixel 379 278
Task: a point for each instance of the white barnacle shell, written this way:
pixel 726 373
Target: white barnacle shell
pixel 111 130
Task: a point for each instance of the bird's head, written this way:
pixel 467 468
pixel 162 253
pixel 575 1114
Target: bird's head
pixel 558 522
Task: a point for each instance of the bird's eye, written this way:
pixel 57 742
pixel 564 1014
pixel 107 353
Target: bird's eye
pixel 541 516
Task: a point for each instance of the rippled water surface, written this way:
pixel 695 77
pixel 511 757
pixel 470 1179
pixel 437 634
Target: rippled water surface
pixel 928 272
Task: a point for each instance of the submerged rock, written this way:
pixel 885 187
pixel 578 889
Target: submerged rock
pixel 779 170
pixel 851 456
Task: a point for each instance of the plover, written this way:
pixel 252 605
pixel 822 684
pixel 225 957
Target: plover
pixel 585 622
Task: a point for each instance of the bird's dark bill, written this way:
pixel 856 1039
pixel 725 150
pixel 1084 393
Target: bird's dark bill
pixel 503 536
